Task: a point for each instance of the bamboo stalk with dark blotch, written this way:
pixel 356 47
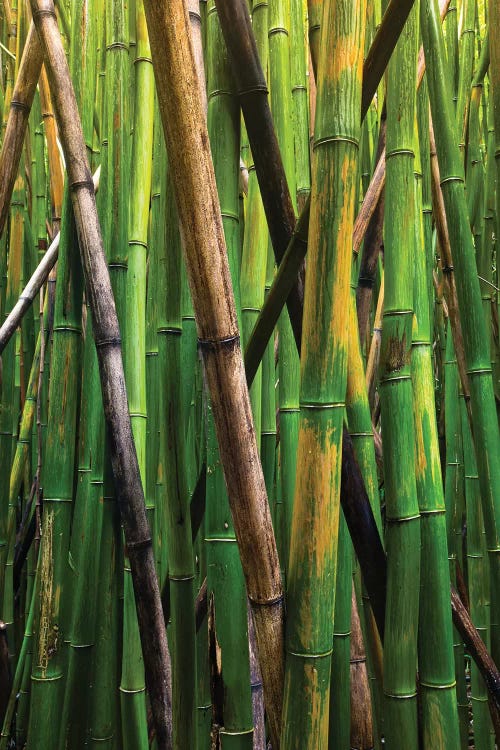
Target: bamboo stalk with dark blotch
pixel 53 156
pixel 255 242
pixel 230 670
pixel 438 700
pixel 37 280
pixel 20 105
pixel 313 548
pixel 361 729
pixel 52 610
pixel 106 334
pixel 288 361
pixel 465 67
pixel 339 724
pixel 476 340
pixel 396 396
pixel 478 588
pixel 298 63
pixel 205 253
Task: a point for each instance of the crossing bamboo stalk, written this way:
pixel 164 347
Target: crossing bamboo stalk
pixel 106 334
pixel 205 253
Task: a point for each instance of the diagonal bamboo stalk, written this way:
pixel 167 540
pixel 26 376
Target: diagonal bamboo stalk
pixel 205 253
pixel 37 280
pixel 107 337
pixel 20 106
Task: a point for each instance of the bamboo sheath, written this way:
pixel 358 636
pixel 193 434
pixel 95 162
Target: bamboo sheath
pixel 206 260
pixel 106 333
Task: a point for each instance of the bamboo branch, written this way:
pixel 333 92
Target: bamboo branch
pixel 108 344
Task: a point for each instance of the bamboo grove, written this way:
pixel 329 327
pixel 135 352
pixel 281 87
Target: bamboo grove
pixel 249 374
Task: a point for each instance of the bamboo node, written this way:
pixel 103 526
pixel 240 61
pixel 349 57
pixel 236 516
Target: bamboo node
pixel 452 178
pixel 115 341
pixel 339 138
pixel 222 343
pixel 117 45
pixel 278 30
pixel 142 544
pixel 404 697
pixel 311 656
pixel 260 88
pixel 400 152
pixel 448 686
pixel 89 184
pixel 41 12
pixel 321 407
pixel 16 104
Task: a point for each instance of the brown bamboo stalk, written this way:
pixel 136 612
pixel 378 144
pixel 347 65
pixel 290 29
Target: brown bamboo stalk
pixel 210 283
pixel 53 156
pixel 361 710
pixel 17 122
pixel 106 332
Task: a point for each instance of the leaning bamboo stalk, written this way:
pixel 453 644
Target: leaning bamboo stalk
pixel 37 280
pixel 20 105
pixel 205 253
pixel 106 334
pixel 476 339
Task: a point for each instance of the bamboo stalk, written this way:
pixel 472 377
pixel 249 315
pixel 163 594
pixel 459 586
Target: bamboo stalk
pixel 20 105
pixel 205 254
pixel 106 334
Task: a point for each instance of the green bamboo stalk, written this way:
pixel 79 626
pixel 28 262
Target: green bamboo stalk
pixel 477 571
pixel 298 72
pixel 228 636
pixel 465 67
pixel 440 727
pixel 476 340
pixel 396 396
pixel 52 612
pixel 313 550
pixel 135 335
pixel 288 363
